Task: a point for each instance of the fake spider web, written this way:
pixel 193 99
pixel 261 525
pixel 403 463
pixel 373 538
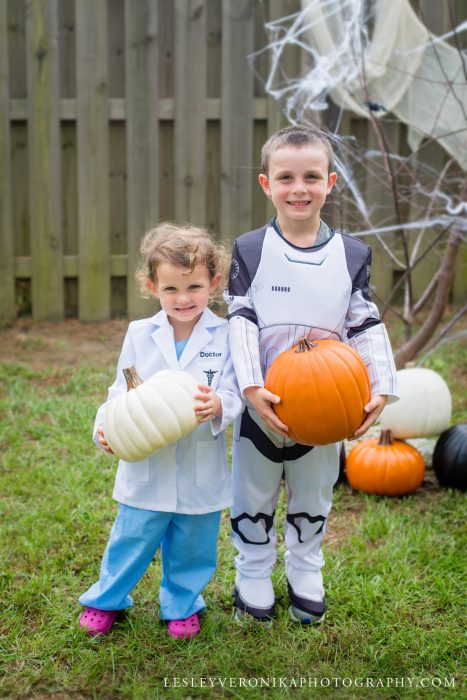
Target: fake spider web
pixel 377 59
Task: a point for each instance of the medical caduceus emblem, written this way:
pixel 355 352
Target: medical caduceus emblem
pixel 210 375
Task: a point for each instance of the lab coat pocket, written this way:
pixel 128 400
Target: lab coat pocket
pixel 137 471
pixel 209 464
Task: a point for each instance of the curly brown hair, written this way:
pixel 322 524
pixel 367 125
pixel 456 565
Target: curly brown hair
pixel 182 245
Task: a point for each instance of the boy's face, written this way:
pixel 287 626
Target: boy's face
pixel 298 184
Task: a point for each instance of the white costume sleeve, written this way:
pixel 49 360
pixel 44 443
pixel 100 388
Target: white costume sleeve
pixel 229 394
pixel 368 336
pixel 243 325
pixel 244 347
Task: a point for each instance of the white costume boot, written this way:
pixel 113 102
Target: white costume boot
pixel 306 595
pixel 254 596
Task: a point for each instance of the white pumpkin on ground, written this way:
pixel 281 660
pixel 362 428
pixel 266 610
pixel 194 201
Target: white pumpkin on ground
pixel 424 407
pixel 152 414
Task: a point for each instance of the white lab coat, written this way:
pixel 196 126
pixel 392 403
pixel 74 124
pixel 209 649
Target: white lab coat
pixel 190 476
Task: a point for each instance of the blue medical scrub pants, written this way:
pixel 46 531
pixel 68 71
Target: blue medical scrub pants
pixel 189 554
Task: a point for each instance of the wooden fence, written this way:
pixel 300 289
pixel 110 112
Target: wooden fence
pixel 115 114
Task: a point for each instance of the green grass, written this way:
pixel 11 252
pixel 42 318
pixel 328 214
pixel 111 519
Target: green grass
pixel 393 577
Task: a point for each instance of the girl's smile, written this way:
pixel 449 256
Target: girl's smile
pixel 183 295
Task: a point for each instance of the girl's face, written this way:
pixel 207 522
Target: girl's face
pixel 183 294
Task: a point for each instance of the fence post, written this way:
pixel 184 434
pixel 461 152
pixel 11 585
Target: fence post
pixel 142 136
pixel 378 194
pixel 44 160
pixel 291 66
pixel 190 116
pixel 237 117
pixel 7 279
pixel 93 160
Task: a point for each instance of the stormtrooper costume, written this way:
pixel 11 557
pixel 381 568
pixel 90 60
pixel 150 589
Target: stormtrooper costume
pixel 277 293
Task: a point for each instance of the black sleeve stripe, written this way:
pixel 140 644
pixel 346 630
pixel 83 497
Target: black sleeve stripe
pixel 249 314
pixel 369 323
pixel 358 258
pixel 246 256
pixel 239 278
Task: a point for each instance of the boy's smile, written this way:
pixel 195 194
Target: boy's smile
pixel 298 183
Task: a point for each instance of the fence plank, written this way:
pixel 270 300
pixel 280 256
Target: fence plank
pixel 436 18
pixel 459 291
pixel 214 48
pixel 17 47
pixel 291 65
pixel 44 159
pixel 117 110
pixel 213 149
pixel 142 97
pixel 93 160
pixel 7 279
pixel 380 200
pixel 67 48
pixel 164 88
pixel 69 189
pixel 190 120
pixel 237 117
pixel 67 62
pixel 118 224
pixel 116 47
pixel 167 48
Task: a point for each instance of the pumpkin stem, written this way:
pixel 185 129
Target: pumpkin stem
pixel 385 438
pixel 304 344
pixel 132 377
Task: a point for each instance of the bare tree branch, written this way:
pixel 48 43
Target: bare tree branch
pixel 426 294
pixel 408 270
pixel 448 327
pixel 411 348
pixel 429 211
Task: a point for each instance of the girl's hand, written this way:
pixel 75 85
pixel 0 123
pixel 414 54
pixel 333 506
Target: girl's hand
pixel 210 405
pixel 262 401
pixel 373 408
pixel 102 441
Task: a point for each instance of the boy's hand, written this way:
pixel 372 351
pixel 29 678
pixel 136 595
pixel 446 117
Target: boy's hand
pixel 102 441
pixel 210 404
pixel 262 401
pixel 373 408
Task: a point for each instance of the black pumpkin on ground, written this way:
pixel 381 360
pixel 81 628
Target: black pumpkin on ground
pixel 450 457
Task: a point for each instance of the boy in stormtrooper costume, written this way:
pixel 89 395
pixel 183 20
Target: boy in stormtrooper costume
pixel 293 277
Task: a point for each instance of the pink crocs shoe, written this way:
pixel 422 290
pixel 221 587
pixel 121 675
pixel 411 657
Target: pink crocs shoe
pixel 180 629
pixel 96 621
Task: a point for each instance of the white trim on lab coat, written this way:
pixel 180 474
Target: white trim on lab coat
pixel 192 475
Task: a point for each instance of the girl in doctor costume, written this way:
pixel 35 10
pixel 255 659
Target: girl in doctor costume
pixel 173 499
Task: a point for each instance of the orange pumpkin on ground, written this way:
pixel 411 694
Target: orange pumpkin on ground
pixel 385 466
pixel 324 386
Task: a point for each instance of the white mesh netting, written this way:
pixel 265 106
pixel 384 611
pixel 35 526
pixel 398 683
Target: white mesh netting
pixel 378 53
pixel 376 57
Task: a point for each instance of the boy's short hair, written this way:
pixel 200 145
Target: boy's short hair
pixel 296 135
